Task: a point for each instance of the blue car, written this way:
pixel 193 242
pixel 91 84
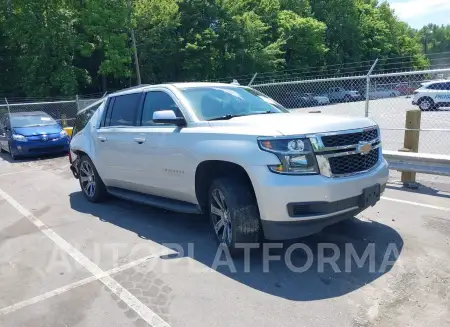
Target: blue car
pixel 26 134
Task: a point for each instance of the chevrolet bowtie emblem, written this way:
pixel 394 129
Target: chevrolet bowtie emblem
pixel 364 148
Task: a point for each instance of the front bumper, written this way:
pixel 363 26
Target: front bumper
pixel 332 196
pixel 33 148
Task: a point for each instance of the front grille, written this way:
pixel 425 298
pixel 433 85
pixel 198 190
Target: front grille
pixel 353 163
pixel 349 139
pixel 47 149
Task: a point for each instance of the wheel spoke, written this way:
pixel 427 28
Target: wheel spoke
pixel 216 211
pixel 86 188
pixel 217 200
pixel 220 223
pixel 91 189
pixel 84 170
pixel 84 178
pixel 222 201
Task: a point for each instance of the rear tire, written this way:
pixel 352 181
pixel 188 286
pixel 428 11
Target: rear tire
pixel 234 213
pixel 91 184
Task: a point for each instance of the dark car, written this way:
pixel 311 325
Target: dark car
pixel 293 100
pixel 31 133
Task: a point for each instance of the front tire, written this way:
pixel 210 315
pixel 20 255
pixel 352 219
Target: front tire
pixel 426 104
pixel 13 156
pixel 91 184
pixel 234 213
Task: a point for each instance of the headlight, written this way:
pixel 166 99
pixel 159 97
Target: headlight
pixel 63 133
pixel 18 137
pixel 296 155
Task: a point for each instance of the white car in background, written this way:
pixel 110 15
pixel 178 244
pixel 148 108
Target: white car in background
pixel 322 99
pixel 432 95
pixel 381 93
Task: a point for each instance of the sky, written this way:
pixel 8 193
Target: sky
pixel 418 13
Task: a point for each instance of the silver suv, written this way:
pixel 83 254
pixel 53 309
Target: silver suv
pixel 232 153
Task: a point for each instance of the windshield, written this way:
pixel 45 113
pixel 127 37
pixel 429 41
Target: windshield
pixel 220 101
pixel 32 121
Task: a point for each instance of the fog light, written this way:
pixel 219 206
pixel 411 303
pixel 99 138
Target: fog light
pixel 19 148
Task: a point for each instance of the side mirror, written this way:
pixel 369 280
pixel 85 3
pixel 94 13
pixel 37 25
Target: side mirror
pixel 168 117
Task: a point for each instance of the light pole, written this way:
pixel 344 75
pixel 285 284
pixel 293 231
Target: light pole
pixel 133 42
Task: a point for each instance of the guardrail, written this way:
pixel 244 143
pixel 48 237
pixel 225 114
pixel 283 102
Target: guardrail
pixel 435 164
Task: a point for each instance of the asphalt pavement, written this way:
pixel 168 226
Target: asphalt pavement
pixel 68 262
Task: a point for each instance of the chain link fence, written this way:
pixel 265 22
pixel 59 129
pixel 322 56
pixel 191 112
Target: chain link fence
pixel 385 98
pixel 63 110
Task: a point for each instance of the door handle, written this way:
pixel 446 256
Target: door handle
pixel 139 140
pixel 101 138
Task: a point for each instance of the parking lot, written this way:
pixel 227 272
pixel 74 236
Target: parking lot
pixel 390 115
pixel 68 262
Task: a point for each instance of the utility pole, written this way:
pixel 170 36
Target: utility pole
pixel 133 42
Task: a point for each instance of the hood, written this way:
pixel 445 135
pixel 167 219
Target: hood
pixel 292 123
pixel 38 130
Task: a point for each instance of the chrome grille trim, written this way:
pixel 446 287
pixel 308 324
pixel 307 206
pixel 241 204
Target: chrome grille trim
pixel 347 153
pixel 324 153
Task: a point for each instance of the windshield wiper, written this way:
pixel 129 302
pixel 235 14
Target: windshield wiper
pixel 229 116
pixel 226 117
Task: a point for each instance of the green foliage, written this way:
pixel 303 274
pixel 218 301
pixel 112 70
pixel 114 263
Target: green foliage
pixel 59 47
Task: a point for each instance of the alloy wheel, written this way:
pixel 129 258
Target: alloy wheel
pixel 220 215
pixel 425 104
pixel 87 178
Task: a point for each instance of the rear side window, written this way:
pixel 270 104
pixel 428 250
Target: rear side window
pixel 124 110
pixel 83 117
pixel 437 86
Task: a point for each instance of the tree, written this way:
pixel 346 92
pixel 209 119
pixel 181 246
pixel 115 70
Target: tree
pixel 58 47
pixel 43 36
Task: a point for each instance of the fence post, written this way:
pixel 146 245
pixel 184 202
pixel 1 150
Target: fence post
pixel 78 102
pixel 411 143
pixel 7 106
pixel 368 87
pixel 253 78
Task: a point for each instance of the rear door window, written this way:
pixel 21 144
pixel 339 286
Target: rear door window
pixel 124 110
pixel 84 116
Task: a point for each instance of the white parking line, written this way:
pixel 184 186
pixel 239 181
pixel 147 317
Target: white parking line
pixel 416 204
pixel 141 309
pixel 69 287
pixel 17 172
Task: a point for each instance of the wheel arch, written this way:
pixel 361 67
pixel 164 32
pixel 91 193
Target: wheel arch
pixel 209 170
